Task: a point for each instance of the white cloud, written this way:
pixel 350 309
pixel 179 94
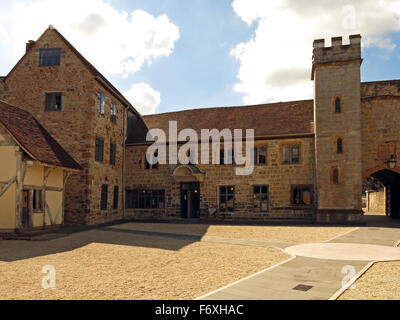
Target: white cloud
pixel 144 98
pixel 115 42
pixel 275 64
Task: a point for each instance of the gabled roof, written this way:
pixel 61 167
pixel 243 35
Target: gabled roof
pixel 98 76
pixel 33 138
pixel 282 119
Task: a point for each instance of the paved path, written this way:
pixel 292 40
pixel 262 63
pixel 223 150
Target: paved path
pixel 321 275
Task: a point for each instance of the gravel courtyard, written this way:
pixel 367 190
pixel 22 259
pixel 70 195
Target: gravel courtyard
pixel 118 263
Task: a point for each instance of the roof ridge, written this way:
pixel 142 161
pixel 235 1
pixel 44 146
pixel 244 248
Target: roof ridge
pixel 230 107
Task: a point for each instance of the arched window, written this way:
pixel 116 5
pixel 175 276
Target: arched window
pixel 339 145
pixel 335 176
pixel 338 105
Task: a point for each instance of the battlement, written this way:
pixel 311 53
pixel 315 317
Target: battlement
pixel 337 52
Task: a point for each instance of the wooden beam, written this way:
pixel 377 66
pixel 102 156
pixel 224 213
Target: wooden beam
pixel 7 185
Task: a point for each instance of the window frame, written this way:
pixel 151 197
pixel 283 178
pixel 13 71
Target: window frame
pixel 37 198
pixel 113 153
pixel 261 155
pixel 104 198
pixel 226 195
pixel 116 198
pixel 52 59
pixel 261 201
pixel 302 188
pixel 47 97
pixel 337 108
pixel 291 146
pixel 101 103
pixel 99 153
pixel 143 199
pixel 113 112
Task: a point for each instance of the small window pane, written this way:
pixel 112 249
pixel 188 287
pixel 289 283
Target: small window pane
pixel 262 159
pixel 286 154
pixel 53 101
pixel 295 154
pixel 338 105
pixel 50 57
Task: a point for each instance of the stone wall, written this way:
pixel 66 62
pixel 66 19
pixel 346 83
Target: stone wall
pixel 278 176
pixel 380 114
pixel 376 202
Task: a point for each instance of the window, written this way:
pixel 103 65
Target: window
pixel 50 57
pixel 104 197
pixel 302 196
pixel 53 101
pixel 338 105
pixel 335 176
pixel 148 165
pixel 116 198
pixel 101 102
pixel 339 145
pixel 145 199
pixel 113 153
pixel 132 121
pixel 99 150
pixel 113 117
pixel 231 157
pixel 227 198
pixel 261 198
pixel 254 156
pixel 155 165
pixel 222 157
pixel 262 157
pixel 291 154
pixel 37 201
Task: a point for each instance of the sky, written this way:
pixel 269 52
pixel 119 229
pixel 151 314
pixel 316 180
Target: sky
pixel 171 55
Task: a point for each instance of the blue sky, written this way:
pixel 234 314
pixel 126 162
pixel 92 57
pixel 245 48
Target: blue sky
pixel 169 55
pixel 200 72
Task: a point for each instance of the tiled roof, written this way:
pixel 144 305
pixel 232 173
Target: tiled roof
pixel 268 120
pixel 33 138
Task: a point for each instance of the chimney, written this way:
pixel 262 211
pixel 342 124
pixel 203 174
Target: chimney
pixel 29 45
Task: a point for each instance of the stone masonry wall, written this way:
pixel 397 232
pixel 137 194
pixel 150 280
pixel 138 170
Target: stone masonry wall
pixel 337 75
pixel 278 176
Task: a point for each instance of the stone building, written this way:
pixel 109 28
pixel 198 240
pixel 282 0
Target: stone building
pixel 310 157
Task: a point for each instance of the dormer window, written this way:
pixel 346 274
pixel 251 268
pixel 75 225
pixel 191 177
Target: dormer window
pixel 338 105
pixel 50 57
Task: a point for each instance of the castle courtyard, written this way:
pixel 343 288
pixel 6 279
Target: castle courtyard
pixel 145 261
pixel 165 260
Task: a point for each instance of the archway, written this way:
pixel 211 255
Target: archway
pixel 390 179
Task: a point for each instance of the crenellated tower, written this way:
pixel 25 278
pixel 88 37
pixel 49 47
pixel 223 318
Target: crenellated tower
pixel 337 118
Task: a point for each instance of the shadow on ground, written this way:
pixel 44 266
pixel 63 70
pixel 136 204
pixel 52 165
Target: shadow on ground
pixel 68 239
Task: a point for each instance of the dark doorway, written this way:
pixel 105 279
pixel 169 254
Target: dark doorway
pixel 391 181
pixel 190 200
pixel 25 219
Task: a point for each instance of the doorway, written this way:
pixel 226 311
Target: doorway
pixel 25 219
pixel 190 200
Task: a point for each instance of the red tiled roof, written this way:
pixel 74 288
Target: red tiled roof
pixel 33 138
pixel 277 119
